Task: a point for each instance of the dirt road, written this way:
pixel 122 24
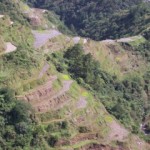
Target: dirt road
pixel 42 37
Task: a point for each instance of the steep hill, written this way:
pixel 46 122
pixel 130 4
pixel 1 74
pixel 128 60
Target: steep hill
pixel 61 92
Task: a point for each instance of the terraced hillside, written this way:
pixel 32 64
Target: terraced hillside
pixel 71 115
pixel 60 103
pixel 60 100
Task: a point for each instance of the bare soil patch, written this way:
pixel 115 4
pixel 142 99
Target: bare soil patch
pixel 117 133
pixel 81 103
pixel 76 40
pixel 41 38
pixel 44 70
pixel 10 47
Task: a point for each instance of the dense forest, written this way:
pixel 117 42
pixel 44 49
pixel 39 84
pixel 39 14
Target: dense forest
pixel 100 19
pixel 16 122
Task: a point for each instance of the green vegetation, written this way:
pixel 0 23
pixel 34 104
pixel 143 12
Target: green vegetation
pixel 82 114
pixel 16 122
pixel 125 99
pixel 144 50
pixel 2 46
pixel 140 46
pixel 12 9
pixel 19 129
pixel 24 59
pixel 55 20
pixel 100 19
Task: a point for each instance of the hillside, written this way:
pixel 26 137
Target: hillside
pixel 101 19
pixel 65 92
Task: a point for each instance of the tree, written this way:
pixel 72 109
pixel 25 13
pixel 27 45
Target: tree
pixel 21 112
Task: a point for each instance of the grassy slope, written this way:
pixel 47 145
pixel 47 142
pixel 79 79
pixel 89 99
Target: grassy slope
pixel 55 117
pixel 113 57
pixel 17 66
pixel 93 117
pixel 74 92
pixel 97 120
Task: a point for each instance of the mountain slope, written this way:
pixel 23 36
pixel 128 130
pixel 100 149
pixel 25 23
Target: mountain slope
pixel 70 92
pixel 101 19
